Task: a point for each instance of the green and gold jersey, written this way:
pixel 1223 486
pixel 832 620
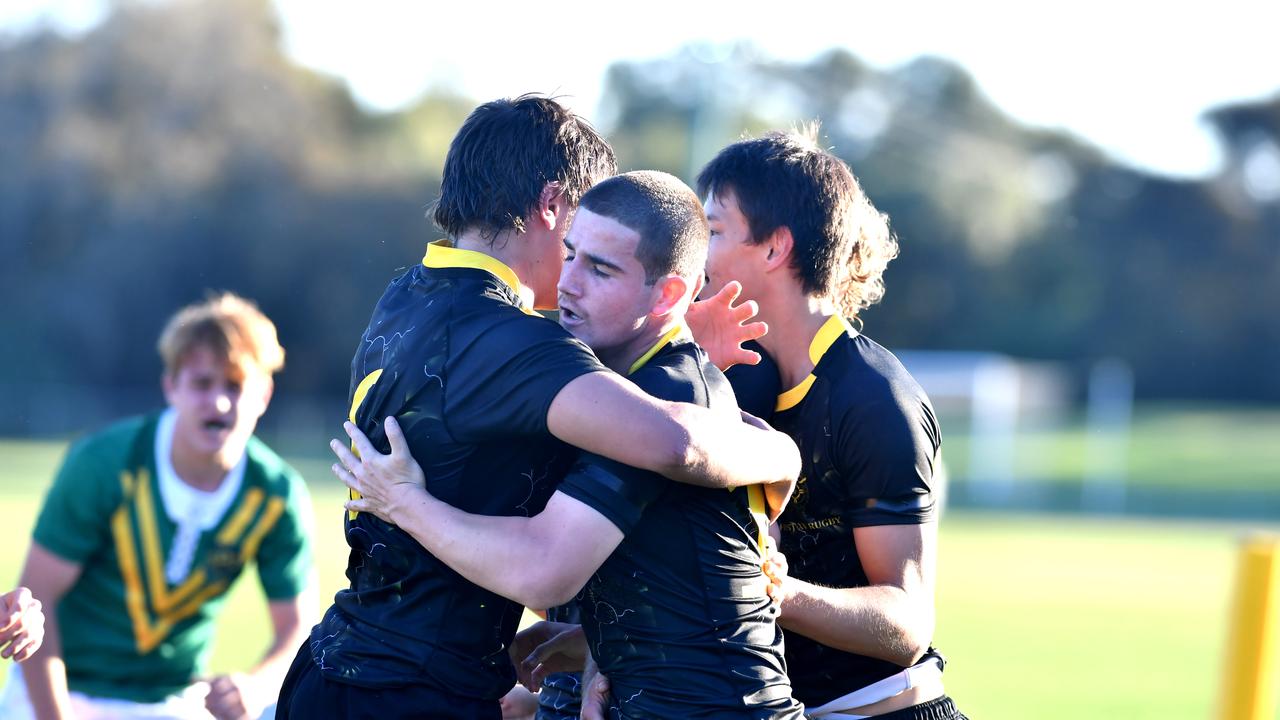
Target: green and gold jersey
pixel 126 631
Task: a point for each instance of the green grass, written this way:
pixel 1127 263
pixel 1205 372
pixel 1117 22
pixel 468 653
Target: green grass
pixel 1040 616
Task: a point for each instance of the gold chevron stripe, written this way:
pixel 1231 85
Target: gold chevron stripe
pixel 268 520
pixel 235 528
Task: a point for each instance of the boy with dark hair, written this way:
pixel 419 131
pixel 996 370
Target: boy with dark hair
pixel 791 224
pixel 149 522
pixel 673 599
pixel 483 388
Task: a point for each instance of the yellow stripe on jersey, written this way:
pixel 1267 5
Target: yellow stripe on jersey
pixel 362 390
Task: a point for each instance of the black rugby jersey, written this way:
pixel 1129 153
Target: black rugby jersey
pixel 677 616
pixel 868 441
pixel 470 376
pixel 756 386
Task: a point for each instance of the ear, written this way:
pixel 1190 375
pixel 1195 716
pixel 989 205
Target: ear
pixel 779 247
pixel 672 290
pixel 551 208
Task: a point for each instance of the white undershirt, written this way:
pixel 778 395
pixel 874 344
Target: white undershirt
pixel 192 511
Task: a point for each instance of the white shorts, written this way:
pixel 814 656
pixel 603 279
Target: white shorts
pixel 187 705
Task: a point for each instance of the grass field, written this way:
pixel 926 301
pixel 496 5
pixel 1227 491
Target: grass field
pixel 1040 616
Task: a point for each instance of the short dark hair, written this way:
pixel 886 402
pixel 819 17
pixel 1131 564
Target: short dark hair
pixel 503 156
pixel 783 179
pixel 664 212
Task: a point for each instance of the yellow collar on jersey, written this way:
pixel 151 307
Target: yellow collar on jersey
pixel 833 328
pixel 662 342
pixel 442 254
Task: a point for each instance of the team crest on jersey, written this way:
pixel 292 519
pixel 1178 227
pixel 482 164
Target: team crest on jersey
pixel 154 606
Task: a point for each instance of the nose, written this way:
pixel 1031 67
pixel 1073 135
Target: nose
pixel 222 402
pixel 568 283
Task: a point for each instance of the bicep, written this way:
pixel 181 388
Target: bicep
pixel 608 415
pixel 47 574
pixel 576 538
pixel 903 556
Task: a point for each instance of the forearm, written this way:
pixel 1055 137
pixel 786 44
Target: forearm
pixel 880 621
pixel 46 675
pixel 607 415
pixel 275 662
pixel 724 453
pixel 503 555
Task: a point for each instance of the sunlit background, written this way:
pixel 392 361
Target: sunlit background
pixel 1087 197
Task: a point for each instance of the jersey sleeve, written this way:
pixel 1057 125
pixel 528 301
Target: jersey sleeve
pixel 756 386
pixel 75 519
pixel 285 559
pixel 505 378
pixel 616 491
pixel 886 453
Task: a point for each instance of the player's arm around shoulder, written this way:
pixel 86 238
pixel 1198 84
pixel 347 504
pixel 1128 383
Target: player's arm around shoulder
pixel 538 561
pixel 607 415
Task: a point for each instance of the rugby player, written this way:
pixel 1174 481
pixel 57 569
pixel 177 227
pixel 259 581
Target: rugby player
pixel 790 222
pixel 674 605
pixel 483 388
pixel 149 522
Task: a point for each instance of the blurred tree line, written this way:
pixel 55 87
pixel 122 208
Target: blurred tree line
pixel 175 148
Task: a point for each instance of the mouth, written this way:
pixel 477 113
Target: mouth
pixel 568 316
pixel 216 425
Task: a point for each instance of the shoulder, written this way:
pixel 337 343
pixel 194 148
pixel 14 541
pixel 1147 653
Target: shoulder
pixel 113 445
pixel 875 397
pixel 682 372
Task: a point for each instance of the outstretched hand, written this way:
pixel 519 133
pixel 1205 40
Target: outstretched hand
pixel 384 484
pixel 721 327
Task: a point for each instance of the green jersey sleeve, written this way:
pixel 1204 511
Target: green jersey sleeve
pixel 74 522
pixel 285 560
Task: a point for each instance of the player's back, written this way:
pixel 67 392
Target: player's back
pixel 470 376
pixel 677 616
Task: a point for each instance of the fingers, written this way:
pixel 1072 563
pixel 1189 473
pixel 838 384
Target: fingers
pixel 730 292
pixel 345 456
pixel 755 330
pixel 395 436
pixel 225 701
pixel 345 476
pixel 744 312
pixel 595 698
pixel 359 441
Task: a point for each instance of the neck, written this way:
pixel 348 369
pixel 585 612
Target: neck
pixel 506 248
pixel 203 471
pixel 621 359
pixel 794 319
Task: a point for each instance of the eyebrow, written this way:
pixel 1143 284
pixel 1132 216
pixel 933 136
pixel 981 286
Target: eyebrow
pixel 597 260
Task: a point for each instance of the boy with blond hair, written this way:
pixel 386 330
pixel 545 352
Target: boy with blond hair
pixel 149 522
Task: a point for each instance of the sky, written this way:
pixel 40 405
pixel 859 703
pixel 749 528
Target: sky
pixel 1130 76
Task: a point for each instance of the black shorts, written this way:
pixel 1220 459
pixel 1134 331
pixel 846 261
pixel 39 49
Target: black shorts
pixel 308 695
pixel 940 709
